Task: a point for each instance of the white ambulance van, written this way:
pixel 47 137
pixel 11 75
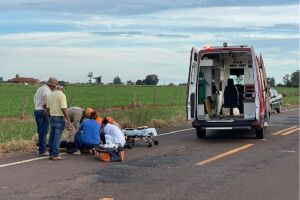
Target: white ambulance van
pixel 227 90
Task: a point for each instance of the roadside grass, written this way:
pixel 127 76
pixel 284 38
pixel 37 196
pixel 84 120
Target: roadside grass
pixel 291 100
pixel 290 95
pixel 288 91
pixel 17 145
pixel 17 100
pixel 158 117
pixel 20 134
pixel 16 129
pixel 16 134
pixel 130 106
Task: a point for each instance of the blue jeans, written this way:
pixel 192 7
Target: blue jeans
pixel 81 144
pixel 57 125
pixel 42 123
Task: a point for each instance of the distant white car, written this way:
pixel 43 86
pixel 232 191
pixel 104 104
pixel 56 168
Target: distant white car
pixel 275 100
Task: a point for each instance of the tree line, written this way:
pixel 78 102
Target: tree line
pixel 288 80
pixel 151 79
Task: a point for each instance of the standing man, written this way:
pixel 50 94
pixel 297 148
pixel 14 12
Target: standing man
pixel 41 115
pixel 59 118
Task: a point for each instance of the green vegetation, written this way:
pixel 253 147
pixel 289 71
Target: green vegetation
pixel 18 99
pixel 128 105
pixel 131 106
pixel 14 129
pixel 290 95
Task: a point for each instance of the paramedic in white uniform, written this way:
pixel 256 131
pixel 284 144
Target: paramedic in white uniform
pixel 113 133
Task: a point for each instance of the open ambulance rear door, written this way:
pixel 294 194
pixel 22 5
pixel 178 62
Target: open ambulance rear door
pixel 192 85
pixel 265 88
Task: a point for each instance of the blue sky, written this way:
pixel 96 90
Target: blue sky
pixel 133 38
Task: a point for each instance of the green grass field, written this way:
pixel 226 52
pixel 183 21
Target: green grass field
pixel 130 105
pixel 290 95
pixel 18 99
pixel 157 106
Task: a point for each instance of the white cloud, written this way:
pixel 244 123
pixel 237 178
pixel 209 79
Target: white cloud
pixel 72 54
pixel 74 63
pixel 230 17
pixel 233 16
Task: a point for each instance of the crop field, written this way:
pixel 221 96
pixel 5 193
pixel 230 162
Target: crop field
pixel 18 99
pixel 131 106
pixel 290 95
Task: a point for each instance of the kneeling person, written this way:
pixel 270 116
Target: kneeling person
pixel 88 135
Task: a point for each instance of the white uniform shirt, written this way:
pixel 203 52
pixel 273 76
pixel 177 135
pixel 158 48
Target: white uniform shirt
pixel 40 97
pixel 116 134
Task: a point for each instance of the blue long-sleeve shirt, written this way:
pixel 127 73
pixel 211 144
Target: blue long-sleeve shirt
pixel 90 131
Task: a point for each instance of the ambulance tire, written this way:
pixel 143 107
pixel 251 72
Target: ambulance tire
pixel 279 109
pixel 201 133
pixel 260 133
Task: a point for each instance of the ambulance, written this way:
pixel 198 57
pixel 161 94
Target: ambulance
pixel 227 90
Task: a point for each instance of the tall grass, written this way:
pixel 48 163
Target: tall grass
pixel 16 129
pixel 290 95
pixel 155 106
pixel 18 99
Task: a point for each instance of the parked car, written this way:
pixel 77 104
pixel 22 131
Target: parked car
pixel 275 100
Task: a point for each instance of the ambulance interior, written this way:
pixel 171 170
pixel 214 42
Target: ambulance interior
pixel 226 86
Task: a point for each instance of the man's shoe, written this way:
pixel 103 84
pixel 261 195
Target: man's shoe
pixel 57 158
pixel 46 153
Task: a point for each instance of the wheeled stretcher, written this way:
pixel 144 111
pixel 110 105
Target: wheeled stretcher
pixel 140 133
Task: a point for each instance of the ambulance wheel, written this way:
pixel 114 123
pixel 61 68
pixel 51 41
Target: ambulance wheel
pixel 259 133
pixel 149 144
pixel 279 109
pixel 156 142
pixel 201 133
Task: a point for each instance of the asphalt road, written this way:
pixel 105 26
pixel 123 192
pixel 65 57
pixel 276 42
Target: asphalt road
pixel 225 165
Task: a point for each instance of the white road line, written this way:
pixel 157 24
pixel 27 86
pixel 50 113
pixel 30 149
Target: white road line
pixel 175 132
pixel 25 161
pixel 41 158
pixel 290 110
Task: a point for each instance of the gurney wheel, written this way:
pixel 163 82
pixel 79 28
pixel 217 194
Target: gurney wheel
pixel 156 142
pixel 149 144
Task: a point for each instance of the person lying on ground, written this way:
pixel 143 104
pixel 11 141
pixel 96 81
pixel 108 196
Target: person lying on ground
pixel 88 134
pixel 112 133
pixel 112 121
pixel 109 119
